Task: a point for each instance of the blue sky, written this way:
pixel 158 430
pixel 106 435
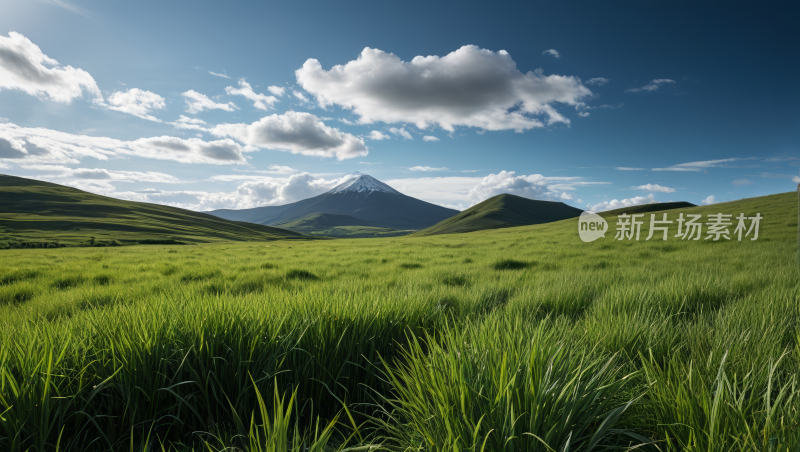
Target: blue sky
pixel 210 105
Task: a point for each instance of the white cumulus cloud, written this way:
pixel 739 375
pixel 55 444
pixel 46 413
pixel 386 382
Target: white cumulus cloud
pixel 376 135
pixel 137 102
pixel 197 102
pixel 22 145
pixel 24 67
pixel 709 200
pixel 277 90
pixel 190 150
pixel 267 191
pixel 429 138
pixel 654 187
pixel 620 203
pixel 58 172
pixel 469 87
pixel 533 186
pixel 260 101
pixel 296 132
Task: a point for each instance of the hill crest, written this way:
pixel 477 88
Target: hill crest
pixel 503 211
pixel 36 213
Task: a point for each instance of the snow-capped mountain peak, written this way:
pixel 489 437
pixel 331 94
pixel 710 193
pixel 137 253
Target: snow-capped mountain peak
pixel 363 183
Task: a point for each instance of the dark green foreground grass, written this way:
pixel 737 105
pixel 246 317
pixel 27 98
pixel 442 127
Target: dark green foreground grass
pixel 520 339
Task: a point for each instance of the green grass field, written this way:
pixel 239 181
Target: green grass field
pixel 516 339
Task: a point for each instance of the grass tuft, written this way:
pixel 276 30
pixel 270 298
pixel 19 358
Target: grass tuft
pixel 511 264
pixel 301 274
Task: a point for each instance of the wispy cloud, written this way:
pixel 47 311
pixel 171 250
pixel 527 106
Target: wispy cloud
pixel 652 86
pixel 260 101
pixel 401 132
pixel 428 168
pixel 654 187
pixel 699 166
pixel 69 6
pixel 552 52
pixel 741 182
pixel 223 75
pixel 300 95
pixel 197 102
pixel 599 81
pixel 627 168
pixel 185 122
pixel 776 175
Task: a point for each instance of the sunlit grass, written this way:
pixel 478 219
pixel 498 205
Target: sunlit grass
pixel 515 339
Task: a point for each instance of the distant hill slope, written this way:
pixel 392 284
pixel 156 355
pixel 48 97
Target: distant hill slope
pixel 34 212
pixel 503 211
pixel 341 226
pixel 322 221
pixel 647 208
pixel 362 197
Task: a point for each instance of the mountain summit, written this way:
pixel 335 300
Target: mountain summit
pixel 362 197
pixel 364 183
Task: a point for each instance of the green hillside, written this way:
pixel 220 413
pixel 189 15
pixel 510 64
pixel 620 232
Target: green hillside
pixel 340 226
pixel 36 214
pixel 503 211
pixel 318 221
pixel 648 208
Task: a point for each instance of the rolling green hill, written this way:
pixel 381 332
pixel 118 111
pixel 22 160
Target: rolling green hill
pixel 318 221
pixel 503 211
pixel 36 214
pixel 340 226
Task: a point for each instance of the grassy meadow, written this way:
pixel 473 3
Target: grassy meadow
pixel 517 339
